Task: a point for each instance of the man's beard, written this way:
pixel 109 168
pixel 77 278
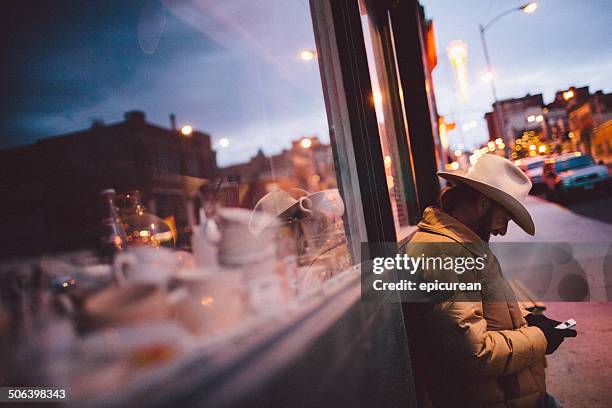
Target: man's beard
pixel 483 226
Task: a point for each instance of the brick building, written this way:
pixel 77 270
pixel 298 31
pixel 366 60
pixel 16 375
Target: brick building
pixel 307 165
pixel 49 187
pixel 589 125
pixel 512 113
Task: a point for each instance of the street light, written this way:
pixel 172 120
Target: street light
pixel 305 143
pixel 187 130
pixel 224 142
pixel 526 8
pixel 529 7
pixel 307 55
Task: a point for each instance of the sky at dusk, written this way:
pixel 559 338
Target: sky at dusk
pixel 231 68
pixel 562 43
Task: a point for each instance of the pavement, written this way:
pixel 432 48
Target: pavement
pixel 579 373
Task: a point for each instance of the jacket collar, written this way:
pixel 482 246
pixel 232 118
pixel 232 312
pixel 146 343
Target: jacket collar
pixel 438 222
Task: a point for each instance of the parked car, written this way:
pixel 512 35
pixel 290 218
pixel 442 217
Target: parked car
pixel 573 172
pixel 533 167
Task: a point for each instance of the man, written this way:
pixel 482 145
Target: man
pixel 480 349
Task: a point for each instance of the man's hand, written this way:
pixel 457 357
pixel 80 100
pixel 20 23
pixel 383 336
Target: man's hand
pixel 554 337
pixel 534 319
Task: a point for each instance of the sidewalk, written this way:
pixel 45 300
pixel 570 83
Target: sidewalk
pixel 579 373
pixel 555 223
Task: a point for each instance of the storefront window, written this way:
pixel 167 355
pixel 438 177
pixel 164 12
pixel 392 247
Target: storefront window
pixel 173 201
pixel 389 114
pixel 197 106
pixel 169 178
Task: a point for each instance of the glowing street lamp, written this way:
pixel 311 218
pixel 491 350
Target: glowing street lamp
pixel 187 130
pixel 224 142
pixel 567 95
pixel 307 55
pixel 529 7
pixel 305 143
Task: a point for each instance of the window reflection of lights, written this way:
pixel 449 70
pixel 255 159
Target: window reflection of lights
pixel 378 106
pixel 387 162
pixel 307 55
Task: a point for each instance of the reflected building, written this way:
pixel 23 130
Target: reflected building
pixel 308 165
pixel 49 187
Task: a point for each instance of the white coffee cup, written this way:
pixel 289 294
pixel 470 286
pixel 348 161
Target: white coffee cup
pixel 146 265
pixel 240 246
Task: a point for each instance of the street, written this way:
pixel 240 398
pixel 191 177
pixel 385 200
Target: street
pixel 578 372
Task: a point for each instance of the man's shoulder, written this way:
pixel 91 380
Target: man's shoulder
pixel 423 236
pixel 430 243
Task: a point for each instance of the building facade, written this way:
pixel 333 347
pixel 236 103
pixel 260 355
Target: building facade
pixel 51 186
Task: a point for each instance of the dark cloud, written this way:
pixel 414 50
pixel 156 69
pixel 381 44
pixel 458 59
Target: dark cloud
pixel 73 55
pixel 227 67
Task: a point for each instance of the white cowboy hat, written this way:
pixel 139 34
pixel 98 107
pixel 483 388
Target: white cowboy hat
pixel 502 181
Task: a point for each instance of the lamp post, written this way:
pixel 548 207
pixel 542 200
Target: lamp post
pixel 526 8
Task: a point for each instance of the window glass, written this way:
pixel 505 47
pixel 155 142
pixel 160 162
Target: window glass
pixel 184 109
pixel 391 124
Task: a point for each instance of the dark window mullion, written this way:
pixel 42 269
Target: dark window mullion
pixel 364 128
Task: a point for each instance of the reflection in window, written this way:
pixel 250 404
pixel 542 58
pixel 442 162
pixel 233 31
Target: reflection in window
pixel 197 105
pixel 387 125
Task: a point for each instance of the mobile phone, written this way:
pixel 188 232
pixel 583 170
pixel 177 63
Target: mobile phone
pixel 568 324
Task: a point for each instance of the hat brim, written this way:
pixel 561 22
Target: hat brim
pixel 519 212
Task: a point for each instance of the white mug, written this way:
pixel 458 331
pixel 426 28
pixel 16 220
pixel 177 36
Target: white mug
pixel 146 265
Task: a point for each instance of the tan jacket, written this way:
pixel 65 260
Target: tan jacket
pixel 476 353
